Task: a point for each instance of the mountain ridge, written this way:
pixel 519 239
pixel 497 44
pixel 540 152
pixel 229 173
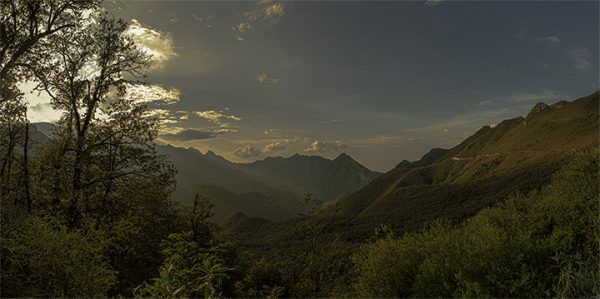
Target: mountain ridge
pixel 284 180
pixel 516 156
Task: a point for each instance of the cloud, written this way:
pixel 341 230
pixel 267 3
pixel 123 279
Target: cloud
pixel 533 96
pixel 247 151
pixel 189 134
pixel 268 12
pixel 39 106
pixel 331 121
pixel 433 3
pixel 158 45
pixel 42 112
pixel 153 93
pixel 385 140
pixel 283 144
pixel 580 58
pixel 471 119
pixel 275 147
pixel 324 147
pixel 207 20
pixel 216 117
pixel 243 27
pixel 266 80
pixel 164 117
pixel 549 39
pixel 483 103
pixel 270 132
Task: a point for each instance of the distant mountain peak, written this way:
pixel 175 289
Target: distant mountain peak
pixel 404 164
pixel 210 153
pixel 539 107
pixel 559 104
pixel 343 156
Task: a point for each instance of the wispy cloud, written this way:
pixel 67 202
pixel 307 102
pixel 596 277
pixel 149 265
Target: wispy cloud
pixel 216 117
pixel 549 39
pixel 433 3
pixel 385 139
pixel 580 58
pixel 266 80
pixel 204 18
pixel 282 144
pixel 270 131
pixel 275 147
pixel 153 93
pixel 189 134
pixel 164 117
pixel 463 121
pixel 267 12
pixel 324 147
pixel 158 45
pixel 533 96
pixel 247 151
pixel 331 121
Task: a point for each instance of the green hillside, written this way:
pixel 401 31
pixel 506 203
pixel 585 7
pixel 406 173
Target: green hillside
pixel 517 155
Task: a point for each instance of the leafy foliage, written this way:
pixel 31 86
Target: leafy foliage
pixel 189 270
pixel 43 258
pixel 542 244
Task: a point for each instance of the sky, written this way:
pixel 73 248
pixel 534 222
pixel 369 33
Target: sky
pixel 381 81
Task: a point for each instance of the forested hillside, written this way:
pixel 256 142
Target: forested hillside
pixel 271 188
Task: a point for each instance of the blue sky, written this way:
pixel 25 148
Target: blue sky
pixel 382 81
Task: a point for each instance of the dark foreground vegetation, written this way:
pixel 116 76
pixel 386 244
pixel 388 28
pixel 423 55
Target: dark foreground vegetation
pixel 87 211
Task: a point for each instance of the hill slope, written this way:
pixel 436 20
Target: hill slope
pixel 326 179
pixel 517 155
pixel 276 184
pixel 204 174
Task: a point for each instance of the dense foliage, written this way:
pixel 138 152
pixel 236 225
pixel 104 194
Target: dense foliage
pixel 539 245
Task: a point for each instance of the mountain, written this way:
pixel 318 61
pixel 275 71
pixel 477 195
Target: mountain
pixel 272 188
pixel 277 184
pixel 516 156
pixel 203 174
pixel 326 179
pixel 228 203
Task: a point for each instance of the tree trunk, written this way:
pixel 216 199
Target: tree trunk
pixel 26 167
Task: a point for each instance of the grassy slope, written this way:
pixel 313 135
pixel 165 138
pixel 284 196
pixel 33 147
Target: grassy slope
pixel 518 155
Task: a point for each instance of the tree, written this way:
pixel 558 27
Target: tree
pixel 99 171
pixel 106 136
pixel 195 263
pixel 27 28
pixel 42 258
pixel 28 31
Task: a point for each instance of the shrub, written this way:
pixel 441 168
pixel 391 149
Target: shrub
pixel 542 244
pixel 42 258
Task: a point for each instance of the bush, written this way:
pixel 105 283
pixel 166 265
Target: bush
pixel 189 270
pixel 543 244
pixel 41 258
